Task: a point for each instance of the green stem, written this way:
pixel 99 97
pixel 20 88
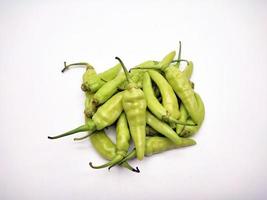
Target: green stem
pixel 124 69
pixel 66 67
pixel 114 161
pixel 83 137
pixel 126 165
pixel 89 126
pixel 129 156
pixel 180 53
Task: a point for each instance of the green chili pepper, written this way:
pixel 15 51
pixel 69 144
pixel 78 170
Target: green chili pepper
pixel 90 107
pixel 106 148
pixel 111 73
pixel 189 67
pixel 169 99
pixel 148 63
pixel 180 84
pixel 134 105
pixel 183 118
pixel 154 105
pixel 162 128
pixel 89 74
pixel 183 89
pixel 108 89
pixel 105 116
pixel 137 75
pixel 188 70
pixel 189 131
pixel 122 143
pixel 157 144
pixel 95 81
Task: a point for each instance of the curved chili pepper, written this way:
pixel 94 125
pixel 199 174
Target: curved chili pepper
pixel 169 99
pixel 190 131
pixel 155 106
pixel 106 148
pixel 183 118
pixel 95 81
pixel 162 128
pixel 134 105
pixel 180 84
pixel 122 143
pixel 105 116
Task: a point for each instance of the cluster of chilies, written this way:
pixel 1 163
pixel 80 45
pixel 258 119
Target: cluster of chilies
pixel 154 104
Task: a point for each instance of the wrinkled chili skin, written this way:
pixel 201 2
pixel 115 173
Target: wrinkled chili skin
pixel 134 105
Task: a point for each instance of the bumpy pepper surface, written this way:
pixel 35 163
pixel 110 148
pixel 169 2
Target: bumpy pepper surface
pixel 134 105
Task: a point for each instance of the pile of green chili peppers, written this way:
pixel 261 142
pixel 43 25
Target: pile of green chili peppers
pixel 154 104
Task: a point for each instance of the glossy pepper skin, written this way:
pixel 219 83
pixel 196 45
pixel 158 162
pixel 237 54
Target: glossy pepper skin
pixel 134 106
pixel 122 144
pixel 105 116
pixel 188 131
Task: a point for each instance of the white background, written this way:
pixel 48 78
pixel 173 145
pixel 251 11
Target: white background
pixel 227 42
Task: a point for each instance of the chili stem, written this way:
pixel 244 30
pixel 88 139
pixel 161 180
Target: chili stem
pixel 66 67
pixel 124 69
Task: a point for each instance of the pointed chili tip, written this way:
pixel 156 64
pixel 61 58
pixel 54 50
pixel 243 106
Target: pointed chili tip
pixel 49 137
pixel 136 170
